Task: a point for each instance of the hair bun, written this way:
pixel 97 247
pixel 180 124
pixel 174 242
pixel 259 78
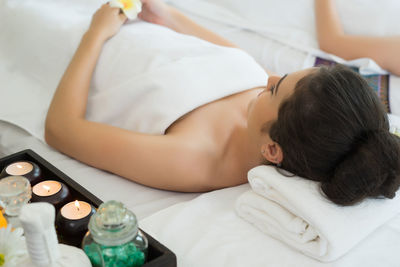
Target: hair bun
pixel 370 169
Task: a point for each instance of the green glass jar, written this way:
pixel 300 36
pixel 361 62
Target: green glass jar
pixel 114 238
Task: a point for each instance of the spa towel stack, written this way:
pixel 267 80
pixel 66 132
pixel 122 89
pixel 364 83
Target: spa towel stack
pixel 293 210
pixel 37 219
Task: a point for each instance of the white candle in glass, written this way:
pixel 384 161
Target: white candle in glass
pixel 19 168
pixel 46 188
pixel 76 210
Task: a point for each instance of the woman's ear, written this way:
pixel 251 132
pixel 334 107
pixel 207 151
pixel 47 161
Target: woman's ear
pixel 272 152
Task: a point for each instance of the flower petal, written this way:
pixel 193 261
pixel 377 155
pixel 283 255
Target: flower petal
pixel 130 7
pixel 3 222
pixel 12 246
pixel 138 5
pixel 130 13
pixel 116 3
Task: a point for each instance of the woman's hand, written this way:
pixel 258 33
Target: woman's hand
pixel 106 22
pixel 157 12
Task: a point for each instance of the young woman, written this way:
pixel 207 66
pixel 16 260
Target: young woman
pixel 323 124
pixel 332 39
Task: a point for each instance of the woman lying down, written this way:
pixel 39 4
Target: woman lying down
pixel 323 124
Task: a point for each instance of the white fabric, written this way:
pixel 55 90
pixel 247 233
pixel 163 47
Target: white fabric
pixel 147 76
pixel 292 209
pixel 70 256
pixel 284 43
pixel 394 121
pixel 207 232
pixel 394 94
pixel 271 18
pixel 37 219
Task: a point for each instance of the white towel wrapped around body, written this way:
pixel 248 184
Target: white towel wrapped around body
pixel 147 75
pixel 293 210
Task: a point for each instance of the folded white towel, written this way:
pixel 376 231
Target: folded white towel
pixel 37 219
pixel 293 210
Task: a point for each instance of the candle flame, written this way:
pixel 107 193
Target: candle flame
pixel 46 188
pixel 19 166
pixel 77 204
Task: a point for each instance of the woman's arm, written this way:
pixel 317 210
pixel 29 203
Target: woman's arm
pixel 156 11
pixel 166 162
pixel 332 39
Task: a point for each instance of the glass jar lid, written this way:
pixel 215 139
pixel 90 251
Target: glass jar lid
pixel 15 191
pixel 113 224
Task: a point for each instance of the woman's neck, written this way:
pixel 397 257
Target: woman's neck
pixel 242 153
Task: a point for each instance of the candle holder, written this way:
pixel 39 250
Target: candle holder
pixel 15 191
pixel 72 222
pixel 28 169
pixel 53 192
pixel 157 254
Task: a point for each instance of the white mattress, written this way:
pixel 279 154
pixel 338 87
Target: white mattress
pixel 206 231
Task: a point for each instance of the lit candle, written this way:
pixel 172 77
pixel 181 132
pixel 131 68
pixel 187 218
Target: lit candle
pixel 28 169
pixel 50 191
pixel 19 168
pixel 72 221
pixel 76 210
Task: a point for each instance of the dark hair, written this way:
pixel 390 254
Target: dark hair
pixel 334 129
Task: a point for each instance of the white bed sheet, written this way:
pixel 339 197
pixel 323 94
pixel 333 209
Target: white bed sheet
pixel 142 200
pixel 207 232
pixel 285 43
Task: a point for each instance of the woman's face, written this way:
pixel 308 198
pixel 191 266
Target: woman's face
pixel 265 106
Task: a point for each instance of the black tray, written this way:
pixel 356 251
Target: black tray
pixel 158 254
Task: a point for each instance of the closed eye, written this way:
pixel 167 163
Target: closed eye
pixel 272 89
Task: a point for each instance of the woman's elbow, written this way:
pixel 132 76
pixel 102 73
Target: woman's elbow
pixel 329 44
pixel 54 130
pixel 394 66
pixel 49 132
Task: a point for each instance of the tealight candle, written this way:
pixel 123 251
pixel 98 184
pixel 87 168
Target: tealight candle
pixel 50 191
pixel 76 210
pixel 72 221
pixel 19 168
pixel 28 169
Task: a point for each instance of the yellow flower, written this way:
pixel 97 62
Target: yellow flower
pixel 3 222
pixel 130 7
pixel 128 4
